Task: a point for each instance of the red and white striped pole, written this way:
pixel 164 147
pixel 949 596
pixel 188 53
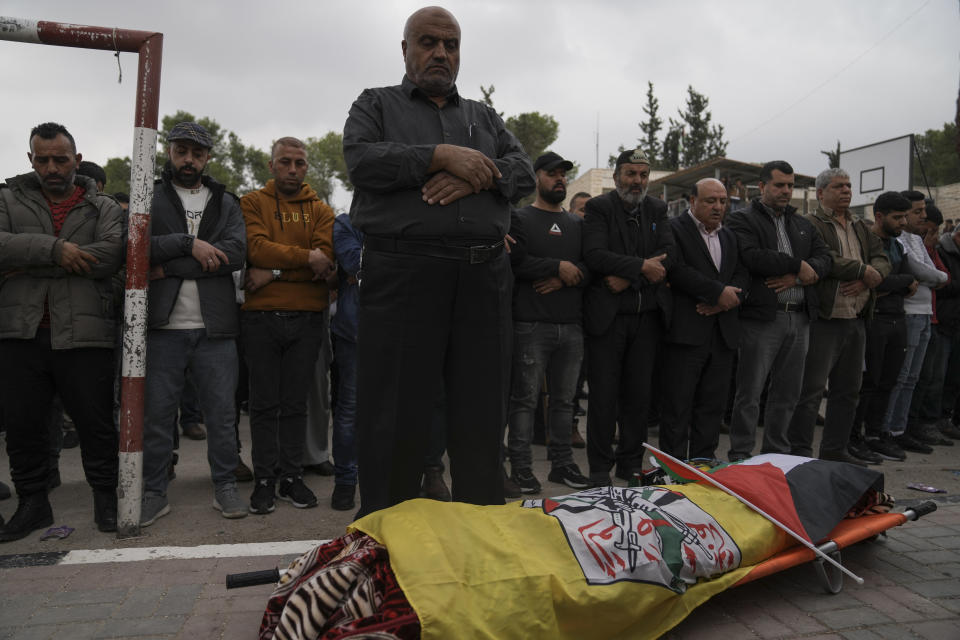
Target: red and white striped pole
pixel 149 47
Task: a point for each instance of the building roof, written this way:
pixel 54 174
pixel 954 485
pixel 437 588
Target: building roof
pixel 672 186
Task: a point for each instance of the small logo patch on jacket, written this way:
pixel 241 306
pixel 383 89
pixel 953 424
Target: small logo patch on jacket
pixel 555 230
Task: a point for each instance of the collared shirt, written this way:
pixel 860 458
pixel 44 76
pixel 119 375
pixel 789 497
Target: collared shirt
pixel 710 238
pixel 794 294
pixel 388 143
pixel 847 307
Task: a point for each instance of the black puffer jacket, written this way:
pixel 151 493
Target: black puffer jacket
pixel 171 246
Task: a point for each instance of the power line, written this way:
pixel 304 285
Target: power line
pixel 835 75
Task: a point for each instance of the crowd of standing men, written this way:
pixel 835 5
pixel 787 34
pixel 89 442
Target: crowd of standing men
pixel 453 308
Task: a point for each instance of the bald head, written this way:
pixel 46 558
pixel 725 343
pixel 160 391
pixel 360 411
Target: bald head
pixel 705 181
pixel 709 202
pixel 431 51
pixel 424 13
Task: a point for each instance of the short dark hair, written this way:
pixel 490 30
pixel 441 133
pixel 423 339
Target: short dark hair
pixel 120 196
pixel 890 201
pixel 580 194
pixel 49 131
pixel 92 170
pixel 934 215
pixel 766 172
pixel 913 196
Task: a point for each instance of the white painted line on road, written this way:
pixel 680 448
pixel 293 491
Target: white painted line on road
pixel 140 554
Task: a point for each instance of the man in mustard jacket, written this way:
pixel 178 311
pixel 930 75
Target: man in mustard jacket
pixel 289 244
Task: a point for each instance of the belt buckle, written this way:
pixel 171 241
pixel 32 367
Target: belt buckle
pixel 479 254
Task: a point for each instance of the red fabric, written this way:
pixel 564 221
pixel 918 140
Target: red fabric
pixel 58 214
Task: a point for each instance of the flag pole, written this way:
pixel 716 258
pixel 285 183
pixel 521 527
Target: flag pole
pixel 779 524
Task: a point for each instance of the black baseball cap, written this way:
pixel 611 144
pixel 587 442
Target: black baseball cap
pixel 550 161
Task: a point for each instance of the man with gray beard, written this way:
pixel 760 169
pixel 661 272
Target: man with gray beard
pixel 628 244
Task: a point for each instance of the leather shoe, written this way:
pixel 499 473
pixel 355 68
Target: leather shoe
pixel 105 509
pixel 909 443
pixel 325 468
pixel 193 431
pixel 860 451
pixel 33 512
pixel 841 456
pixel 433 486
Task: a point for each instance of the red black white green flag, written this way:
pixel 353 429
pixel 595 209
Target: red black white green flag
pixel 808 495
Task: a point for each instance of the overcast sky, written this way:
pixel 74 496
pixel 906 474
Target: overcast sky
pixel 786 80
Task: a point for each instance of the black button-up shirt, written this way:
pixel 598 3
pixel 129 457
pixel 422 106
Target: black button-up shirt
pixel 388 144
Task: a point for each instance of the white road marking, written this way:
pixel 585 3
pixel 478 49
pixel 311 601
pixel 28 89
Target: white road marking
pixel 140 554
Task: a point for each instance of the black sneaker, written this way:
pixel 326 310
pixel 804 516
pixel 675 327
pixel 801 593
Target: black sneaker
pixel 860 451
pixel 569 475
pixel 510 488
pixel 525 479
pixel 842 456
pixel 296 493
pixel 261 502
pixel 885 447
pixel 909 443
pixel 343 497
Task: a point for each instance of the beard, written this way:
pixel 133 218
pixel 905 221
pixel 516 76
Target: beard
pixel 630 197
pixel 187 176
pixel 59 184
pixel 553 196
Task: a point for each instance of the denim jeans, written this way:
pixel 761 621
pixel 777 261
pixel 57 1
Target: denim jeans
pixel 918 334
pixel 213 363
pixel 345 413
pixel 281 351
pixel 555 350
pixel 778 348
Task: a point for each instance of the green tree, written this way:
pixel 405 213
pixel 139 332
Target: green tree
pixel 118 175
pixel 701 141
pixel 327 164
pixel 651 127
pixel 536 131
pixel 937 149
pixel 488 97
pixel 672 146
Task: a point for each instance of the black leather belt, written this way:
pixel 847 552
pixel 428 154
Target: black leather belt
pixel 474 255
pixel 798 307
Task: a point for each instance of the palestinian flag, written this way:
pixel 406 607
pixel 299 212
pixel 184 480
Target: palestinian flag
pixel 790 488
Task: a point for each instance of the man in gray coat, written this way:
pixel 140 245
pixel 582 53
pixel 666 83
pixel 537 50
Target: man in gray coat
pixel 60 243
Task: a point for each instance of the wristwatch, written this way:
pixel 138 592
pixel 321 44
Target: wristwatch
pixel 276 274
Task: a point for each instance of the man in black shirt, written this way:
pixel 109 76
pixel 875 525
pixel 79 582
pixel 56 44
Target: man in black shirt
pixel 547 302
pixel 434 175
pixel 628 245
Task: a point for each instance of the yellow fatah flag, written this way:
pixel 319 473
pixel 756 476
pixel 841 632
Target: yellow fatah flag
pixel 611 562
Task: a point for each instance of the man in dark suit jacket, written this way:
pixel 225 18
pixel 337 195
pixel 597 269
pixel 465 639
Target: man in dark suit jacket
pixel 628 244
pixel 784 255
pixel 708 283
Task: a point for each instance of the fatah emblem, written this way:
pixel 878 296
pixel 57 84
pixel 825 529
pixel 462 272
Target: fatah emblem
pixel 641 534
